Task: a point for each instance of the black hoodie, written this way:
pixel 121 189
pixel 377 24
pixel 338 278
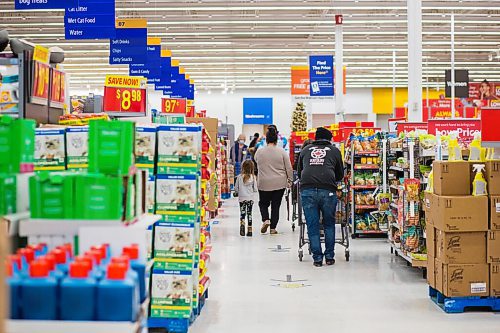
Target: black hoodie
pixel 320 166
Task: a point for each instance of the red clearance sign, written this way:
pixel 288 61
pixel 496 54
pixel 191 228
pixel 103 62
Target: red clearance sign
pixel 40 92
pixel 406 127
pixel 466 128
pixel 124 100
pixel 173 105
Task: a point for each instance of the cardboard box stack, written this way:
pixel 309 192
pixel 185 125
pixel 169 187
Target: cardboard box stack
pixel 458 235
pixel 493 238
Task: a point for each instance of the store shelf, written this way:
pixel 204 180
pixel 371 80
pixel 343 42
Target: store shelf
pixel 413 262
pixel 396 168
pixel 366 167
pixel 372 153
pixel 367 232
pixel 394 187
pixel 366 207
pixel 393 205
pixel 50 227
pixel 38 326
pixel 364 187
pixel 396 150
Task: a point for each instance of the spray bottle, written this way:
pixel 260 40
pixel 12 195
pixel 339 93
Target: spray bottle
pixel 454 150
pixel 479 185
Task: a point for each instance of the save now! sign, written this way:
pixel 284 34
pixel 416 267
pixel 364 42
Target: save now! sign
pixel 125 94
pixel 466 128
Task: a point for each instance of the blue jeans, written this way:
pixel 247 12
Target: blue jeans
pixel 314 201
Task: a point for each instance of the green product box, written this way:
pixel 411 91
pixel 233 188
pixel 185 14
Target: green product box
pixel 50 149
pixel 176 195
pixel 77 147
pixel 174 245
pixel 8 194
pixel 179 149
pixel 145 147
pixel 111 147
pixel 170 119
pixel 150 194
pixel 171 294
pixel 17 145
pixel 52 195
pixel 100 197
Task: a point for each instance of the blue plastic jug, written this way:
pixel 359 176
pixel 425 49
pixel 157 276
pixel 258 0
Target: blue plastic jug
pixel 116 295
pixel 130 273
pixel 61 260
pixel 14 286
pixel 78 294
pixel 39 293
pixel 139 266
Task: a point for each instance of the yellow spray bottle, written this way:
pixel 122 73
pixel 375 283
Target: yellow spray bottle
pixel 479 185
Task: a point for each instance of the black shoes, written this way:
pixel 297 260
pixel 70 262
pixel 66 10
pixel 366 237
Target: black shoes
pixel 330 262
pixel 242 230
pixel 318 263
pixel 249 232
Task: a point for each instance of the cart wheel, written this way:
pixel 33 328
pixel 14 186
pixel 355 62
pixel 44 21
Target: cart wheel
pixel 347 255
pixel 354 236
pixel 293 226
pixel 301 254
pixel 392 250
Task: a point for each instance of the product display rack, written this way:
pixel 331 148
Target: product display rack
pixel 407 227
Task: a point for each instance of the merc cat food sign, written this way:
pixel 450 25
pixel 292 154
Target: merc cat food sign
pixel 466 128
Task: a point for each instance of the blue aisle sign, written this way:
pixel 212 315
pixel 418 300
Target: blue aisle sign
pixel 321 75
pixel 165 83
pixel 43 4
pixel 257 111
pixel 152 68
pixel 90 19
pixel 130 45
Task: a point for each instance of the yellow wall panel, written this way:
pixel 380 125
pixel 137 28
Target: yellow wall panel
pixel 382 98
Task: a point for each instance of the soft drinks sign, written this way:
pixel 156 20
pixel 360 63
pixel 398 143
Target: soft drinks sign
pixel 465 128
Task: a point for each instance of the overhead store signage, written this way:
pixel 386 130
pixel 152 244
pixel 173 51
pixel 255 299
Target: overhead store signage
pixel 125 95
pixel 173 105
pixel 43 4
pixel 57 88
pixel 300 80
pixel 40 88
pixel 90 19
pixel 466 128
pixel 406 127
pixel 441 109
pixel 257 111
pixel 461 83
pixel 129 46
pixel 151 69
pixel 490 135
pixel 165 83
pixel 321 75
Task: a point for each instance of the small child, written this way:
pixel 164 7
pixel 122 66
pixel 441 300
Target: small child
pixel 246 187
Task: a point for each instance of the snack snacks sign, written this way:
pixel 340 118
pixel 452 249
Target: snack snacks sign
pixel 465 128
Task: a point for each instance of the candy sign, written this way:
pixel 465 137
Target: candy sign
pixel 465 128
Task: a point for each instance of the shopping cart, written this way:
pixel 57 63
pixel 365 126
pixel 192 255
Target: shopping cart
pixel 341 218
pixel 291 219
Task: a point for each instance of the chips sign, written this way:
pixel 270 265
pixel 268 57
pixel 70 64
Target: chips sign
pixel 125 95
pixel 173 105
pixel 465 128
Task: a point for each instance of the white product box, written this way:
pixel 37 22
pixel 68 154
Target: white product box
pixel 77 147
pixel 50 149
pixel 145 146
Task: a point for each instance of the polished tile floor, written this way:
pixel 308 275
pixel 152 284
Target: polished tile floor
pixel 374 292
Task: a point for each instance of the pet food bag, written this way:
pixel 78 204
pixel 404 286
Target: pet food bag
pixel 174 245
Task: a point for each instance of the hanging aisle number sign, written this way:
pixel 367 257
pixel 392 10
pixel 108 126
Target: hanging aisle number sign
pixel 125 95
pixel 173 105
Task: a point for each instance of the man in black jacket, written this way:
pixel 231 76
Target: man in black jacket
pixel 320 167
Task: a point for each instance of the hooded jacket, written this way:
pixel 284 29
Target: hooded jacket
pixel 320 166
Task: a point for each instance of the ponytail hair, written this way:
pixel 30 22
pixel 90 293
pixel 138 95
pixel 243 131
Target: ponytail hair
pixel 272 135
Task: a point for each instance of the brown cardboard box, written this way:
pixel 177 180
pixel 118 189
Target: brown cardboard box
pixel 460 213
pixel 493 177
pixel 430 240
pixel 462 280
pixel 495 212
pixel 431 273
pixel 438 275
pixel 493 247
pixel 461 247
pixel 495 280
pixel 427 203
pixel 451 178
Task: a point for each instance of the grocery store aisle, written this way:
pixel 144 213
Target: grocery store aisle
pixel 374 292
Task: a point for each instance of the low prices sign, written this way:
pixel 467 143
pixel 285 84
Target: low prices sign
pixel 466 128
pixel 125 95
pixel 40 92
pixel 407 127
pixel 173 105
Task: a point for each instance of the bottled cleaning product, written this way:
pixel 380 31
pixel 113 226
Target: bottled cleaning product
pixel 454 150
pixel 139 266
pixel 89 261
pixel 53 271
pixel 14 286
pixel 99 268
pixel 16 261
pixel 430 182
pixel 130 273
pixel 61 259
pixel 116 295
pixel 78 294
pixel 39 293
pixel 479 184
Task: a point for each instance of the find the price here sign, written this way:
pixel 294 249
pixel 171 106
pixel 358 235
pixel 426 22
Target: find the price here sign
pixel 125 95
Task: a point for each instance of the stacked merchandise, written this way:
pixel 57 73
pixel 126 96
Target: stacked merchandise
pixel 462 242
pixel 56 285
pixel 223 175
pixel 145 159
pixel 17 159
pixel 174 283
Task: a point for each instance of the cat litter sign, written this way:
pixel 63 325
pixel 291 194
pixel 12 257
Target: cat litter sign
pixel 50 149
pixel 179 149
pixel 145 147
pixel 77 147
pixel 174 245
pixel 171 294
pixel 176 195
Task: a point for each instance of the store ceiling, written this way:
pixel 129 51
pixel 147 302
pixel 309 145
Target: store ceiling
pixel 252 44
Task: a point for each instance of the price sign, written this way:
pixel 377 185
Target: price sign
pixel 57 88
pixel 173 105
pixel 125 95
pixel 466 128
pixel 40 92
pixel 190 111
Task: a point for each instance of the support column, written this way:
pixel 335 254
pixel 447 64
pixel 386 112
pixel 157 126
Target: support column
pixel 414 60
pixel 339 69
